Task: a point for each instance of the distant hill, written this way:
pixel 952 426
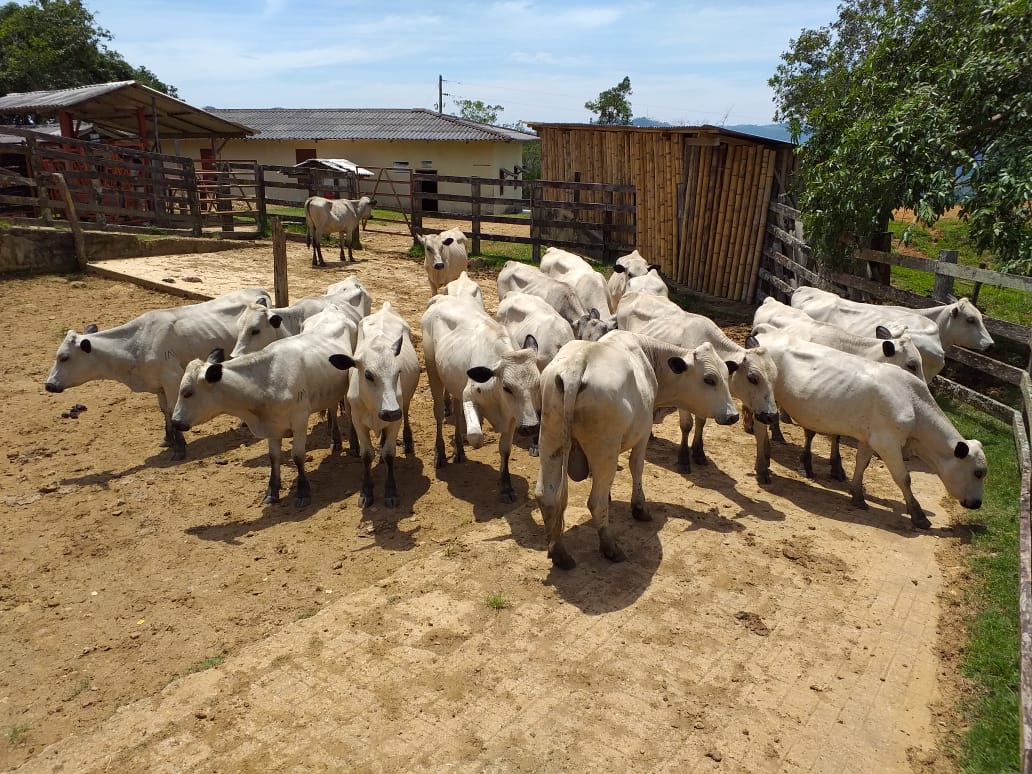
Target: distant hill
pixel 771 131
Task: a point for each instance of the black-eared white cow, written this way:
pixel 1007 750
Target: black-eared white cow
pixel 445 257
pixel 885 408
pixel 334 216
pixel 598 399
pixel 470 356
pixel 626 267
pixel 149 354
pixel 379 393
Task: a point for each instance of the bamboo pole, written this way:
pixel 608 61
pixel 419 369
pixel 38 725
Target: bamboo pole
pixel 698 226
pixel 713 265
pixel 743 234
pixel 740 219
pixel 760 220
pixel 733 179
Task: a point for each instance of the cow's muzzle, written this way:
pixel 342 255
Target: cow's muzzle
pixel 53 387
pixel 392 415
pixel 180 425
pixel 527 429
pixel 728 419
pixel 766 417
pixel 972 503
pixel 439 265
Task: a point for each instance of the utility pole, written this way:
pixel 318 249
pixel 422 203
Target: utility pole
pixel 440 94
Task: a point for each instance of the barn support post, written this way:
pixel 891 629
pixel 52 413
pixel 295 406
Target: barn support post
pixel 475 191
pixel 223 203
pixel 279 263
pixel 944 282
pixel 536 216
pixel 193 198
pixel 417 213
pixel 259 195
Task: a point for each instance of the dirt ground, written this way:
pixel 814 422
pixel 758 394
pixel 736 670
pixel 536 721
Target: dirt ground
pixel 157 617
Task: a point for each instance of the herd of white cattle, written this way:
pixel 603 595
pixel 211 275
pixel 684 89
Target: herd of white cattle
pixel 580 366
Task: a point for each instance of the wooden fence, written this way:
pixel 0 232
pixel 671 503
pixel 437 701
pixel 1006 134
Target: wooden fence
pixel 788 264
pixel 593 219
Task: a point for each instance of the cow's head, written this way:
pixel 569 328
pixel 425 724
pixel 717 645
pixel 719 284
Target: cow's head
pixel 199 389
pixel 508 392
pixel 75 363
pixel 963 472
pixel 966 328
pixel 752 382
pixel 701 384
pixel 377 384
pixel 257 327
pixel 591 326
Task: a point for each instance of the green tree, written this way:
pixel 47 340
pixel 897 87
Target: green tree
pixel 612 105
pixel 56 44
pixel 479 111
pixel 914 103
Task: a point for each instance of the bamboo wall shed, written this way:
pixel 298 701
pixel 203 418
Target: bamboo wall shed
pixel 702 193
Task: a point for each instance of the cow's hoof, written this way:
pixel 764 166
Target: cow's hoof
pixel 507 496
pixel 178 454
pixel 763 477
pixel 838 474
pixel 561 558
pixel 534 451
pixel 364 499
pixel 860 502
pixel 302 502
pixel 614 553
pixel 920 521
pixel 440 460
pixel 409 449
pixel 165 443
pixel 684 468
pixel 270 499
pixel 391 501
pixel 700 458
pixel 640 513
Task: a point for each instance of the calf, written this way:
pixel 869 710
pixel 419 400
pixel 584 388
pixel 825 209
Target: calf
pixel 379 394
pixel 274 391
pixel 579 274
pixel 149 354
pixel 334 216
pixel 597 401
pixel 626 267
pixel 445 257
pixel 751 380
pixel 469 354
pixel 886 409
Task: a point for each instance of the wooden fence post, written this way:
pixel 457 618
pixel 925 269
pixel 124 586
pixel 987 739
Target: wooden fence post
pixel 475 191
pixel 536 214
pixel 944 282
pixel 417 213
pixel 279 263
pixel 259 195
pixel 73 217
pixel 193 198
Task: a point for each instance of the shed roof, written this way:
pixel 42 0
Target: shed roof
pixel 113 107
pixel 340 165
pixel 366 124
pixel 706 130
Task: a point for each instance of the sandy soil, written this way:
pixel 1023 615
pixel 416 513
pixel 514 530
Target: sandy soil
pixel 157 617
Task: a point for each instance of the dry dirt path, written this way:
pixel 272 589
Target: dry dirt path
pixel 158 617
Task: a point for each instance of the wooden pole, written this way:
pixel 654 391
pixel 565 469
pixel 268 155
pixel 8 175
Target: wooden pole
pixel 944 282
pixel 279 262
pixel 73 218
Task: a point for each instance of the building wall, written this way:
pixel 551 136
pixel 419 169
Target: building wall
pixel 462 159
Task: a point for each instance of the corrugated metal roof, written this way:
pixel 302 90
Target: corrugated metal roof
pixel 366 124
pixel 341 165
pixel 112 106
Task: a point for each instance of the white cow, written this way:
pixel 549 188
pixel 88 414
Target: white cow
pixel 751 373
pixel 626 266
pixel 598 400
pixel 379 393
pixel 334 216
pixel 526 315
pixel 587 323
pixel 959 323
pixel 469 354
pixel 274 391
pixel 885 408
pixel 149 353
pixel 463 286
pixel 581 275
pixel 445 257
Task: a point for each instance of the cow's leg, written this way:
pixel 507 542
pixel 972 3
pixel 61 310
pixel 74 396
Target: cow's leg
pixel 407 445
pixel 389 441
pixel 552 490
pixel 275 453
pixel 505 490
pixel 297 453
pixel 838 473
pixel 639 508
pixel 167 400
pixel 698 452
pixel 747 420
pixel 775 428
pixel 438 395
pixel 352 238
pixel 317 256
pixel 684 461
pixel 603 471
pixel 340 238
pixel 460 430
pixel 762 452
pixel 856 487
pixel 892 456
pixel 333 425
pixel 807 456
pixel 169 431
pixel 365 494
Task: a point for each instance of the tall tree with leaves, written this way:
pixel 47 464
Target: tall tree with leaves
pixel 923 104
pixel 612 105
pixel 57 44
pixel 478 110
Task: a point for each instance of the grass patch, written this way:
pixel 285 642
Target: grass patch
pixel 991 658
pixel 496 601
pixel 208 663
pixel 305 614
pixel 16 734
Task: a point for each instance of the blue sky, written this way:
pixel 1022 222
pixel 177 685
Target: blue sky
pixel 689 62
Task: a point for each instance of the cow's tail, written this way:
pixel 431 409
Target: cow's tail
pixel 574 463
pixel 308 223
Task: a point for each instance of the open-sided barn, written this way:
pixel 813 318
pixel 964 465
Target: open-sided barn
pixel 701 193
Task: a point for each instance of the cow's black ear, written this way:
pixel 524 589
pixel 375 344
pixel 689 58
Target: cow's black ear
pixel 91 328
pixel 881 332
pixel 85 346
pixel 372 202
pixel 751 342
pixel 594 314
pixel 888 348
pixel 732 366
pixel 677 365
pixel 275 320
pixel 342 362
pixel 263 301
pixel 654 266
pixel 480 374
pixel 397 346
pixel 619 269
pixel 961 450
pixel 530 342
pixel 213 373
pixel 447 241
pixel 217 355
pixel 955 311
